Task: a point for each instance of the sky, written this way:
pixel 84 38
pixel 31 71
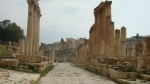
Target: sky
pixel 73 18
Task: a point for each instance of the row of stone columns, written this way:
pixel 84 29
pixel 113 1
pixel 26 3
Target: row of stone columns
pixel 30 46
pixel 33 27
pixel 120 43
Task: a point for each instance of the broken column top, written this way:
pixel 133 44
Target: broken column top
pixel 102 5
pixel 117 33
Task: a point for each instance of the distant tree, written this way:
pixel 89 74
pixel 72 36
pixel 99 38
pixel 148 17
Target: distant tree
pixel 10 32
pixel 62 40
pixel 137 36
pixel 42 44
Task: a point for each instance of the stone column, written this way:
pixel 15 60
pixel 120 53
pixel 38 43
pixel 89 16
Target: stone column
pixel 147 45
pixel 96 37
pixel 22 46
pixel 37 33
pixel 26 48
pixel 117 43
pixel 30 25
pixel 112 38
pixel 107 24
pixel 123 42
pixel 34 29
pixel 102 34
pixel 52 55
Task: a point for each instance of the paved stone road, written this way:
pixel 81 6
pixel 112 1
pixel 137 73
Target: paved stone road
pixel 18 77
pixel 64 73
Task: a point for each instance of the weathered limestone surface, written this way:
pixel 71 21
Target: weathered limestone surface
pixel 30 25
pixel 121 75
pixel 18 77
pixel 33 29
pixel 123 42
pixel 148 45
pixel 103 40
pixel 29 59
pixel 38 33
pixel 4 73
pixel 72 75
pixel 52 55
pixel 22 46
pixel 45 58
pixel 9 62
pixel 117 43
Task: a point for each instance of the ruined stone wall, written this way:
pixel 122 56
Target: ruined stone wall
pixel 102 32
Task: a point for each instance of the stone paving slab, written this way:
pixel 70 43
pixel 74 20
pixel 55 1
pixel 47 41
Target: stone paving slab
pixel 18 77
pixel 64 73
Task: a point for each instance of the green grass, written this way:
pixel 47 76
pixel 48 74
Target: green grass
pixel 3 51
pixel 45 71
pixel 130 69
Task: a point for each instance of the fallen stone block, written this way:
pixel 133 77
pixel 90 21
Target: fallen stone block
pixel 9 62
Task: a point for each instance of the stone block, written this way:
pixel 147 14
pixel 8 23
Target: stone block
pixel 44 58
pixel 121 75
pixel 103 69
pixel 9 62
pixel 10 55
pixel 29 58
pixel 145 77
pixel 111 60
pixel 23 67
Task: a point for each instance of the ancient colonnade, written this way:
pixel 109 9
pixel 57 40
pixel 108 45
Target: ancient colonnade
pixel 31 45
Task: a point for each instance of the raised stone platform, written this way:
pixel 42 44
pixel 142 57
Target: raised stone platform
pixel 29 59
pixel 9 62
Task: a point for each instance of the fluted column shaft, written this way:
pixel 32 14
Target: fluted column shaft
pixel 37 33
pixel 30 27
pixel 35 27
